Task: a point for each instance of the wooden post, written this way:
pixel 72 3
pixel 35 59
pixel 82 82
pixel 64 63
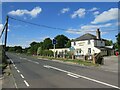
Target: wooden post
pixel 94 59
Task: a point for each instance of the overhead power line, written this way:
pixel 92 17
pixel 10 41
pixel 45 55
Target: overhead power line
pixel 55 28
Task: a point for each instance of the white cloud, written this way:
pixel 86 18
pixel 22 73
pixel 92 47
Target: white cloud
pixel 64 10
pixel 33 13
pixel 87 29
pixel 96 13
pixel 93 9
pixel 79 13
pixel 111 14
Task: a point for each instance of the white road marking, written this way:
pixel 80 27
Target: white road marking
pixel 18 71
pixel 15 67
pixel 77 75
pixel 72 75
pixel 30 60
pixel 21 75
pixel 26 83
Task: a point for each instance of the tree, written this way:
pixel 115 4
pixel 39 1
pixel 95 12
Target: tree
pixel 33 47
pixel 68 44
pixel 108 43
pixel 39 51
pixel 61 41
pixel 47 44
pixel 33 43
pixel 18 49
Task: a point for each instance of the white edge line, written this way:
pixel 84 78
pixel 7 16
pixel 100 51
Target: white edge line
pixel 87 78
pixel 26 83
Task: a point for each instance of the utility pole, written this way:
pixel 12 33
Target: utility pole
pixel 54 43
pixel 6 30
pixel 54 50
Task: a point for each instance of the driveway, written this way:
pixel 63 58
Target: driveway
pixel 110 64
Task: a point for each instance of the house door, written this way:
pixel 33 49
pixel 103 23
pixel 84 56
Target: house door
pixel 89 50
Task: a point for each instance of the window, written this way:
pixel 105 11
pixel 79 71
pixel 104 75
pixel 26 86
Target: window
pixel 89 50
pixel 74 43
pixel 88 41
pixel 80 51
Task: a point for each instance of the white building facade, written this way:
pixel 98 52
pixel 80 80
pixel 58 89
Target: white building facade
pixel 86 44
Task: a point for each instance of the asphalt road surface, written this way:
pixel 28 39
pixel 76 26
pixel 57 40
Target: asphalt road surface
pixel 29 72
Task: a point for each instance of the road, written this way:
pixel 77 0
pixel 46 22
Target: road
pixel 29 72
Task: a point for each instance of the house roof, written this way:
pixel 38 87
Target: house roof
pixel 87 36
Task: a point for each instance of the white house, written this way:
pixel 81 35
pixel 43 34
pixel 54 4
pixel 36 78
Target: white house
pixel 87 44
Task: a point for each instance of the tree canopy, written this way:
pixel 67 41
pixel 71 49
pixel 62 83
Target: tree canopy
pixel 61 41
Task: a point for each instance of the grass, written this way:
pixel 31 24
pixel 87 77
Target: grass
pixel 75 61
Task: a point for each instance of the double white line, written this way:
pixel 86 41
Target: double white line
pixel 80 76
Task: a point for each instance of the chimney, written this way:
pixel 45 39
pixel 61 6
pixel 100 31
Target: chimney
pixel 98 34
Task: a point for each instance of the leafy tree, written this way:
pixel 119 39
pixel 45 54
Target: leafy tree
pixel 47 44
pixel 39 51
pixel 18 49
pixel 61 41
pixel 34 47
pixel 108 43
pixel 68 44
pixel 33 43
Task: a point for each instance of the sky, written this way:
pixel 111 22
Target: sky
pixel 75 18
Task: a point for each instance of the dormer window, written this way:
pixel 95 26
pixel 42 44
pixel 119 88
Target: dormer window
pixel 88 41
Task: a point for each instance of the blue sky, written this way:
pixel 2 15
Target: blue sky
pixel 75 18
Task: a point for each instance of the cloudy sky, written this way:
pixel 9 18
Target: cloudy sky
pixel 75 18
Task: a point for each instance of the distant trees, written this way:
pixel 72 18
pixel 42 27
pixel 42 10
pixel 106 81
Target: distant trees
pixel 42 48
pixel 17 49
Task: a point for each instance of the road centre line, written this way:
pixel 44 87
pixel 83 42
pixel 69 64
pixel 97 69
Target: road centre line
pixel 26 83
pixel 72 75
pixel 84 77
pixel 30 60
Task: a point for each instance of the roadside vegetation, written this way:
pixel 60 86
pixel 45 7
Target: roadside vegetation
pixel 3 60
pixel 41 49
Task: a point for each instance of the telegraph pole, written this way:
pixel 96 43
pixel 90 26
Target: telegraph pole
pixel 6 30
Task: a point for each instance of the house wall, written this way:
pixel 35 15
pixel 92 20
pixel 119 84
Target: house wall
pixel 84 46
pixel 60 50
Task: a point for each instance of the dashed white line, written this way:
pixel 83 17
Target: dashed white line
pixel 77 75
pixel 30 60
pixel 26 83
pixel 18 71
pixel 21 75
pixel 15 67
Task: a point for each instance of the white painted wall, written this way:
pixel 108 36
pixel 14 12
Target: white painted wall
pixel 81 47
pixel 60 50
